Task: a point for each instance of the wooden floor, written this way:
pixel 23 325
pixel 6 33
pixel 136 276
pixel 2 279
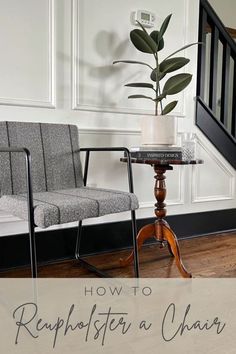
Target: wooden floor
pixel 206 256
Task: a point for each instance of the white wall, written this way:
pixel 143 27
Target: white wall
pixel 56 66
pixel 226 11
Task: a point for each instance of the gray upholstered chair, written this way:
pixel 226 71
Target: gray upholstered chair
pixel 41 181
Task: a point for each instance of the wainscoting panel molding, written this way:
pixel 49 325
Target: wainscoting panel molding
pixel 99 87
pixel 22 84
pixel 117 131
pixel 214 180
pixel 7 218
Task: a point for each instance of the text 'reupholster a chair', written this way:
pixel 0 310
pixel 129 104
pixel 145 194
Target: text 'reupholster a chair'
pixel 41 181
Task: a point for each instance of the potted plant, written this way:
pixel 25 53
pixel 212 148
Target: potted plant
pixel 159 129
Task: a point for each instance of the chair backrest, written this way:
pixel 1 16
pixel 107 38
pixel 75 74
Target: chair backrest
pixel 55 157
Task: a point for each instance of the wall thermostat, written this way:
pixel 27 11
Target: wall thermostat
pixel 146 18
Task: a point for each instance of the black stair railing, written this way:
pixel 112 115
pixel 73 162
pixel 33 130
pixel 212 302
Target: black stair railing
pixel 216 83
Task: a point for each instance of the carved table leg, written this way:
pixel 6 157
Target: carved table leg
pixel 171 239
pixel 160 229
pixel 146 232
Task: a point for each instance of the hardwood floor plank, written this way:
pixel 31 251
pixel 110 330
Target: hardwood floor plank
pixel 211 256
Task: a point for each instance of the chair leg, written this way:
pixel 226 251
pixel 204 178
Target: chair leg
pixel 33 255
pixel 78 240
pixel 94 269
pixel 135 247
pixel 86 264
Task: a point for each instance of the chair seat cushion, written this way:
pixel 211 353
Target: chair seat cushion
pixel 67 205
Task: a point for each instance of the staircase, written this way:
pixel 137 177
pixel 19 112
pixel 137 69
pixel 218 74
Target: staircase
pixel 216 83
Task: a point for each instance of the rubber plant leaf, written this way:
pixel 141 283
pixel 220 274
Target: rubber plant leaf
pixel 176 83
pixel 185 47
pixel 140 96
pixel 159 98
pixel 169 107
pixel 155 35
pixel 139 84
pixel 154 77
pixel 142 41
pixel 165 25
pixel 169 65
pixel 132 62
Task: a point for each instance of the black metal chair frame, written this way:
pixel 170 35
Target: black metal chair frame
pixel 31 224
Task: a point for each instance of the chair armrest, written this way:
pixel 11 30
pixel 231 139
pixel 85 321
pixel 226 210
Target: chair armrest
pixel 120 148
pixel 14 149
pixel 26 152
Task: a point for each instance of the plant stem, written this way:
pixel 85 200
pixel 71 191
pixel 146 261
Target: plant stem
pixel 157 84
pixel 158 89
pixel 159 92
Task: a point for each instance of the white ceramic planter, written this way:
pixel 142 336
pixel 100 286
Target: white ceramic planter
pixel 159 130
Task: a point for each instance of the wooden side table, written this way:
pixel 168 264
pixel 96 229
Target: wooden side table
pixel 160 229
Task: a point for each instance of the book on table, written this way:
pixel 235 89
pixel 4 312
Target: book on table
pixel 173 153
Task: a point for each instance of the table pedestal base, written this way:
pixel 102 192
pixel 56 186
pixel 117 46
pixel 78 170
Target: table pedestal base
pixel 160 229
pixel 162 232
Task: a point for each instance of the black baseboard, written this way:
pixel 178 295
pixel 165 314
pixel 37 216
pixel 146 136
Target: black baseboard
pixel 60 244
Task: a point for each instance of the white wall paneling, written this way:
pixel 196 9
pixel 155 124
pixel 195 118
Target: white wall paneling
pixel 96 83
pixel 6 218
pixel 213 181
pixel 27 55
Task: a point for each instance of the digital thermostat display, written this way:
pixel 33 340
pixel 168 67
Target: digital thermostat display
pixel 146 18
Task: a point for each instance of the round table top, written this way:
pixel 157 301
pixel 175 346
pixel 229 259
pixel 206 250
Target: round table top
pixel 163 162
